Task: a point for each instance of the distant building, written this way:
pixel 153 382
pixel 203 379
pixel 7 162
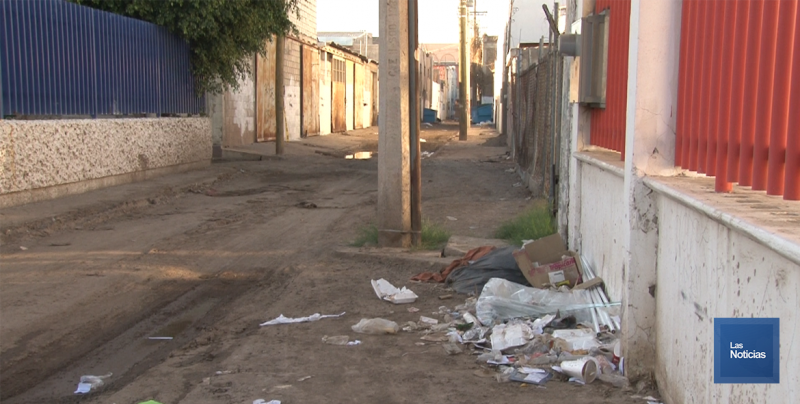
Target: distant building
pixel 360 42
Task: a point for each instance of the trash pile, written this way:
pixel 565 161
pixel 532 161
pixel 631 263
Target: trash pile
pixel 541 313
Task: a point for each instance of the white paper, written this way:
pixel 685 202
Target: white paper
pixel 428 320
pixel 557 368
pixel 578 339
pixel 535 377
pixel 503 361
pixel 287 320
pixel 386 291
pixel 529 371
pixel 576 380
pixel 356 342
pixel 540 323
pixel 556 277
pixel 506 336
pixel 83 388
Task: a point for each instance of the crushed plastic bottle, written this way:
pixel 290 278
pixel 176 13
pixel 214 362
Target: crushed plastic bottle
pixel 336 340
pixel 376 326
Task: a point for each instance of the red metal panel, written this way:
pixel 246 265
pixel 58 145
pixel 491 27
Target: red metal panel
pixel 695 95
pixel 723 118
pixel 686 23
pixel 766 81
pixel 714 87
pixel 704 88
pixel 780 99
pixel 752 68
pixel 608 125
pixel 792 177
pixel 738 81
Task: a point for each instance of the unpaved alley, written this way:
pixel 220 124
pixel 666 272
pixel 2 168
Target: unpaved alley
pixel 205 256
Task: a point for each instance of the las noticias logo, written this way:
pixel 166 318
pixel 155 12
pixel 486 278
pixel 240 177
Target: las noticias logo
pixel 745 354
pixel 747 350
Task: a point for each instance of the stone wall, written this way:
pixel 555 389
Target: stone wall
pixel 50 158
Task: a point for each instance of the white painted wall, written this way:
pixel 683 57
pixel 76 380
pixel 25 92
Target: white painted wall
pixel 324 94
pixel 529 23
pixel 706 270
pixel 601 222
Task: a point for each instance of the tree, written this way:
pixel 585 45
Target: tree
pixel 223 35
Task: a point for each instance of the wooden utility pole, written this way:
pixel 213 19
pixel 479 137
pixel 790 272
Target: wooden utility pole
pixel 464 72
pixel 280 128
pixel 394 163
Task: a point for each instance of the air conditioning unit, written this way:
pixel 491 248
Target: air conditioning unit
pixel 594 60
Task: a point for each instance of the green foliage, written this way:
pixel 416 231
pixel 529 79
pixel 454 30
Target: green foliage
pixel 535 222
pixel 434 236
pixel 223 35
pixel 367 235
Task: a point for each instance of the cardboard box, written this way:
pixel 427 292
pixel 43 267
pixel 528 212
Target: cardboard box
pixel 546 261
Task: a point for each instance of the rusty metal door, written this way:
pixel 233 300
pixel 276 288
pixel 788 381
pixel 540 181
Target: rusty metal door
pixel 358 96
pixel 348 98
pixel 265 94
pixel 339 106
pixel 310 91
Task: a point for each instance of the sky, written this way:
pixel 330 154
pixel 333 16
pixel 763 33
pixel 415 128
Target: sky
pixel 438 19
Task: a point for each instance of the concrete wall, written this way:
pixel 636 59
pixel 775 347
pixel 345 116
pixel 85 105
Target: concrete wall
pixel 48 159
pixel 706 269
pixel 306 18
pixel 291 79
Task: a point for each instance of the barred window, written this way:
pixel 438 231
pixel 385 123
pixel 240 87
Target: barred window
pixel 338 70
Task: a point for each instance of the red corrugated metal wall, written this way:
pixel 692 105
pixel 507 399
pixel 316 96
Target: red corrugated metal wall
pixel 608 125
pixel 739 94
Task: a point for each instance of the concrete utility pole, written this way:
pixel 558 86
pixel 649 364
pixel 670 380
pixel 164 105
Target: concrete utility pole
pixel 414 106
pixel 464 73
pixel 280 129
pixel 394 165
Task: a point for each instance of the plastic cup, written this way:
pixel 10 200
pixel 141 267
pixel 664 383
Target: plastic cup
pixel 617 354
pixel 584 369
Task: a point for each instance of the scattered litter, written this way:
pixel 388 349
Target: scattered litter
pixel 413 309
pixel 577 339
pixel 451 348
pixel 419 343
pixel 262 401
pixel 159 338
pixel 428 320
pixel 427 124
pixel 281 387
pixel 386 291
pixel 359 156
pixel 287 320
pixel 506 336
pixel 583 370
pixel 23 248
pixel 223 372
pixel 451 218
pixel 88 383
pixel 336 340
pixel 427 154
pixel 375 326
pixel 423 141
pixel 355 342
pixel 304 378
pixel 517 185
pixel 497 263
pixel 206 380
pixel 533 376
pixel 445 297
pixel 504 360
pixel 438 337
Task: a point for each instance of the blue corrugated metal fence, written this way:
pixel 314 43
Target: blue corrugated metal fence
pixel 59 58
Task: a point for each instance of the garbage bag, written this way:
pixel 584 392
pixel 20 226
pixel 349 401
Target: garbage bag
pixel 498 263
pixel 502 300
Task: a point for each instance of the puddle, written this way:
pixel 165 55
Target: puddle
pixel 364 155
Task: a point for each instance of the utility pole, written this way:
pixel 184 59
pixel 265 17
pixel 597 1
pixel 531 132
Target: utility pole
pixel 464 73
pixel 280 129
pixel 414 105
pixel 394 164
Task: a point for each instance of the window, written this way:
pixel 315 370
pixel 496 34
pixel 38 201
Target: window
pixel 338 70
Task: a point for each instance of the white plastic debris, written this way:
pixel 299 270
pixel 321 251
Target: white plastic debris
pixel 540 323
pixel 578 339
pixel 356 342
pixel 386 291
pixel 428 320
pixel 452 218
pixel 262 401
pixel 506 336
pixel 89 383
pixel 287 320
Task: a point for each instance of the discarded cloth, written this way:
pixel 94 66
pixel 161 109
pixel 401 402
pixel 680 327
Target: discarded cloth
pixel 471 255
pixel 287 320
pixel 498 263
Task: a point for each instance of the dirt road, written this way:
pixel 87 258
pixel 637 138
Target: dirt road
pixel 206 256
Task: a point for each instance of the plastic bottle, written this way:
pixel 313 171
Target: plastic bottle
pixel 376 326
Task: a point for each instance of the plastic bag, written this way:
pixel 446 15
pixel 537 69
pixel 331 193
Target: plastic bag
pixel 89 383
pixel 498 263
pixel 376 326
pixel 336 340
pixel 502 300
